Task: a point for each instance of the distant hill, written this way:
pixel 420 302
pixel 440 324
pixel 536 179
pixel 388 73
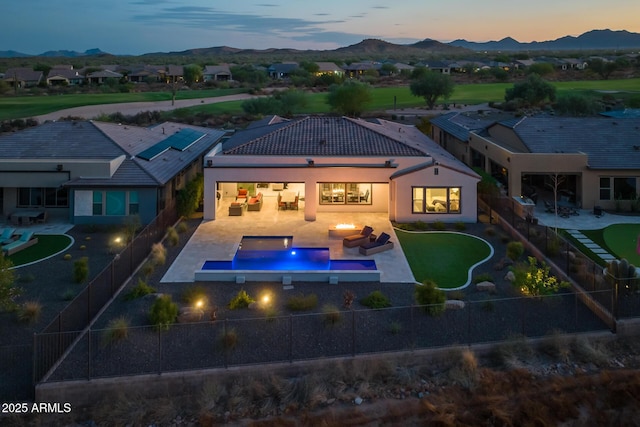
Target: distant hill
pixel 53 53
pixel 591 40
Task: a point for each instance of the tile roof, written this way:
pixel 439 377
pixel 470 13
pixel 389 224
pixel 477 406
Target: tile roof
pixel 327 136
pixel 609 143
pixel 460 125
pixel 108 141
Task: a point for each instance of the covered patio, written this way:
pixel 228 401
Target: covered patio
pixel 219 239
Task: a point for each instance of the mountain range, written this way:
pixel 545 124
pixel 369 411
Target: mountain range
pixel 591 40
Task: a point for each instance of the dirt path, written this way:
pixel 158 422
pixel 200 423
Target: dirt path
pixel 132 108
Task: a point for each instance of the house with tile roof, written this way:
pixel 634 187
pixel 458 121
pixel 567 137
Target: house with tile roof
pixel 23 77
pixel 217 73
pixel 598 158
pixel 91 172
pixel 341 164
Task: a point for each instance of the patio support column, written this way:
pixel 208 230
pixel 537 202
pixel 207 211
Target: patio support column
pixel 310 200
pixel 209 208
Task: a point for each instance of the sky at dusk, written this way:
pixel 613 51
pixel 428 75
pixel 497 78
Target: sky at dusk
pixel 142 26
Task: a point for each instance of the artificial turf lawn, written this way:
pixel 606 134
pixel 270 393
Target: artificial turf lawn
pixel 443 257
pixel 48 244
pixel 622 239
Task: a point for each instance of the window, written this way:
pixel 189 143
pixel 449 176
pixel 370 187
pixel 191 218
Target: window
pixel 43 197
pixel 605 188
pixel 97 202
pixel 625 188
pixel 134 207
pixel 350 193
pixel 436 199
pixel 115 203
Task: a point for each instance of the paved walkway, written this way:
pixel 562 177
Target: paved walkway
pixel 589 244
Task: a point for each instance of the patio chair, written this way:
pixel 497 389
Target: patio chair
pixel 7 236
pixel 381 244
pixel 243 193
pixel 25 240
pixel 548 207
pixel 357 239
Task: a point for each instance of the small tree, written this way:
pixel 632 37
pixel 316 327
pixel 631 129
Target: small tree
pixel 163 312
pixel 81 270
pixel 429 296
pixel 432 86
pixel 534 91
pixel 8 290
pixel 349 98
pixel 536 280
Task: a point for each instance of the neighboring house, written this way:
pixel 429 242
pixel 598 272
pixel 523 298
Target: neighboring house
pixel 437 66
pixel 23 77
pixel 329 68
pixel 281 70
pixel 99 173
pixel 174 73
pixel 145 73
pixel 217 73
pixel 64 76
pixel 99 77
pixel 574 63
pixel 357 69
pixel 345 165
pixel 597 158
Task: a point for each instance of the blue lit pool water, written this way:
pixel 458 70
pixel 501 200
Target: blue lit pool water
pixel 269 253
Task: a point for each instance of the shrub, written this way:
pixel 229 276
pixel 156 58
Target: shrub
pixel 421 225
pixel 553 246
pixel 147 269
pixel 376 299
pixel 504 238
pixel 139 290
pixel 81 270
pixel 439 226
pixel 66 257
pixel 460 226
pixel 490 231
pixel 117 330
pixel 331 314
pixel 29 311
pixel 395 327
pixel 26 278
pixel 172 236
pixel 182 227
pixel 430 297
pixel 83 247
pixel 163 312
pixel 229 339
pixel 68 294
pixel 158 254
pixel 302 302
pixel 515 250
pixel 241 300
pixel 536 280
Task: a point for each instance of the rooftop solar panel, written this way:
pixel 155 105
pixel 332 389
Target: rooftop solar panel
pixel 180 140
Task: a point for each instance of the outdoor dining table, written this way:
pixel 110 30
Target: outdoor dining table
pixel 288 197
pixel 25 217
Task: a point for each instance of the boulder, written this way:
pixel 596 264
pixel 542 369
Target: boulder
pixel 454 304
pixel 486 286
pixel 510 276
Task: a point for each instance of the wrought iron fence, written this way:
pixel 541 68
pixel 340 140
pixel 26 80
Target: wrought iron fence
pixel 225 343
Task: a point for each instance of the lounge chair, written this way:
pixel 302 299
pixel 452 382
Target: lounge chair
pixel 25 240
pixel 357 239
pixel 7 236
pixel 381 244
pixel 243 194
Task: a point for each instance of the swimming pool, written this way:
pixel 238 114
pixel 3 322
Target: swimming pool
pixel 268 257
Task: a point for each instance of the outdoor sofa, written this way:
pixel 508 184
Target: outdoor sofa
pixel 237 209
pixel 381 244
pixel 357 239
pixel 25 240
pixel 255 203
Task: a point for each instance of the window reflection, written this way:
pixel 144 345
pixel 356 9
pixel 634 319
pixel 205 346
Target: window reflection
pixel 351 193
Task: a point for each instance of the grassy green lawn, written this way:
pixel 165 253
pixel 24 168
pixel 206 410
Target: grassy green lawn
pixel 620 240
pixel 384 98
pixel 48 244
pixel 29 106
pixel 443 257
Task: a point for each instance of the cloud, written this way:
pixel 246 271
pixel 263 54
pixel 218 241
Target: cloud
pixel 211 18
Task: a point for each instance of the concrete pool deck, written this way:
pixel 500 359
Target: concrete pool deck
pixel 218 240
